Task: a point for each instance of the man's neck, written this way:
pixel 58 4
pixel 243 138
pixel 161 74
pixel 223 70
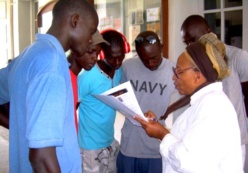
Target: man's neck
pixel 106 69
pixel 75 68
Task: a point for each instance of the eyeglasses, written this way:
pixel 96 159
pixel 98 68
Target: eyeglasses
pixel 151 39
pixel 177 73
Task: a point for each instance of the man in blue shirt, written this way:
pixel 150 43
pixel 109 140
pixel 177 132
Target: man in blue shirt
pixel 40 93
pixel 96 119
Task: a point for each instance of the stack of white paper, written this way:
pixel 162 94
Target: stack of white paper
pixel 122 99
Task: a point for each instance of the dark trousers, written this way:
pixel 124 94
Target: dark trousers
pixel 127 164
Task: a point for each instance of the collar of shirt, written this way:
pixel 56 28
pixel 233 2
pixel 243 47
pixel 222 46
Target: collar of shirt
pixel 216 86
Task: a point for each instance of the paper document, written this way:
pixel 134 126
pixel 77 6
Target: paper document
pixel 122 99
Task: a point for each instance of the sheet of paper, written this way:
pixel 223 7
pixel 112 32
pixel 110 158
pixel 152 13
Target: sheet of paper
pixel 122 99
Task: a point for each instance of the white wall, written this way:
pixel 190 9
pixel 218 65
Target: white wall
pixel 5 46
pixel 43 2
pixel 179 10
pixel 22 19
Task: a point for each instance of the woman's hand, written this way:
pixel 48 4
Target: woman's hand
pixel 153 128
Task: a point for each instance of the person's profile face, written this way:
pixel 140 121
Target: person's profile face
pixel 189 36
pixel 193 33
pixel 81 34
pixel 115 56
pixel 150 55
pixel 98 49
pixel 89 59
pixel 184 75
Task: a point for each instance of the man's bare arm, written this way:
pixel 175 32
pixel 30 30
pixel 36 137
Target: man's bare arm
pixel 4 115
pixel 245 93
pixel 44 160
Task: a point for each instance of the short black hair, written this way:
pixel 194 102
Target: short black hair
pixel 190 20
pixel 114 38
pixel 146 35
pixel 64 7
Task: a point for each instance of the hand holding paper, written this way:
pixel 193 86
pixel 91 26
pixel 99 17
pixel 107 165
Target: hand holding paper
pixel 122 99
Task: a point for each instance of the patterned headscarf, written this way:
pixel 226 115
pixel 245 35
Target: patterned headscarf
pixel 207 54
pixel 196 53
pixel 216 52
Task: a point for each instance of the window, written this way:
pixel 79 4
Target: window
pixel 226 20
pixel 6 50
pixel 131 17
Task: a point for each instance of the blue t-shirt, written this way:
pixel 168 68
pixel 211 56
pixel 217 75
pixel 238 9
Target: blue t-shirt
pixel 4 88
pixel 41 106
pixel 96 119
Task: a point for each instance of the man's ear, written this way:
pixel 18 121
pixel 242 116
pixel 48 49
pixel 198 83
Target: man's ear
pixel 161 47
pixel 209 30
pixel 200 78
pixel 74 19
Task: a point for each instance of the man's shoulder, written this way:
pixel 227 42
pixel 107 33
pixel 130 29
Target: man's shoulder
pixel 130 63
pixel 236 57
pixel 44 46
pixel 231 51
pixel 48 42
pixel 167 60
pixel 89 74
pixel 131 60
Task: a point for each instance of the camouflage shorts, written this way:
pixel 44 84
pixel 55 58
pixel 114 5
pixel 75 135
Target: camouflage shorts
pixel 100 161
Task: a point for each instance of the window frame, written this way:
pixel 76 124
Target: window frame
pixel 222 10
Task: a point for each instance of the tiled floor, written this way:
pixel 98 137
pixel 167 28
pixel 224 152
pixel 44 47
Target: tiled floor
pixel 4 150
pixel 4 143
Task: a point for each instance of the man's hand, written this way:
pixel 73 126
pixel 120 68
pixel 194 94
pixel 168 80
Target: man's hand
pixel 44 160
pixel 153 128
pixel 4 115
pixel 245 94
